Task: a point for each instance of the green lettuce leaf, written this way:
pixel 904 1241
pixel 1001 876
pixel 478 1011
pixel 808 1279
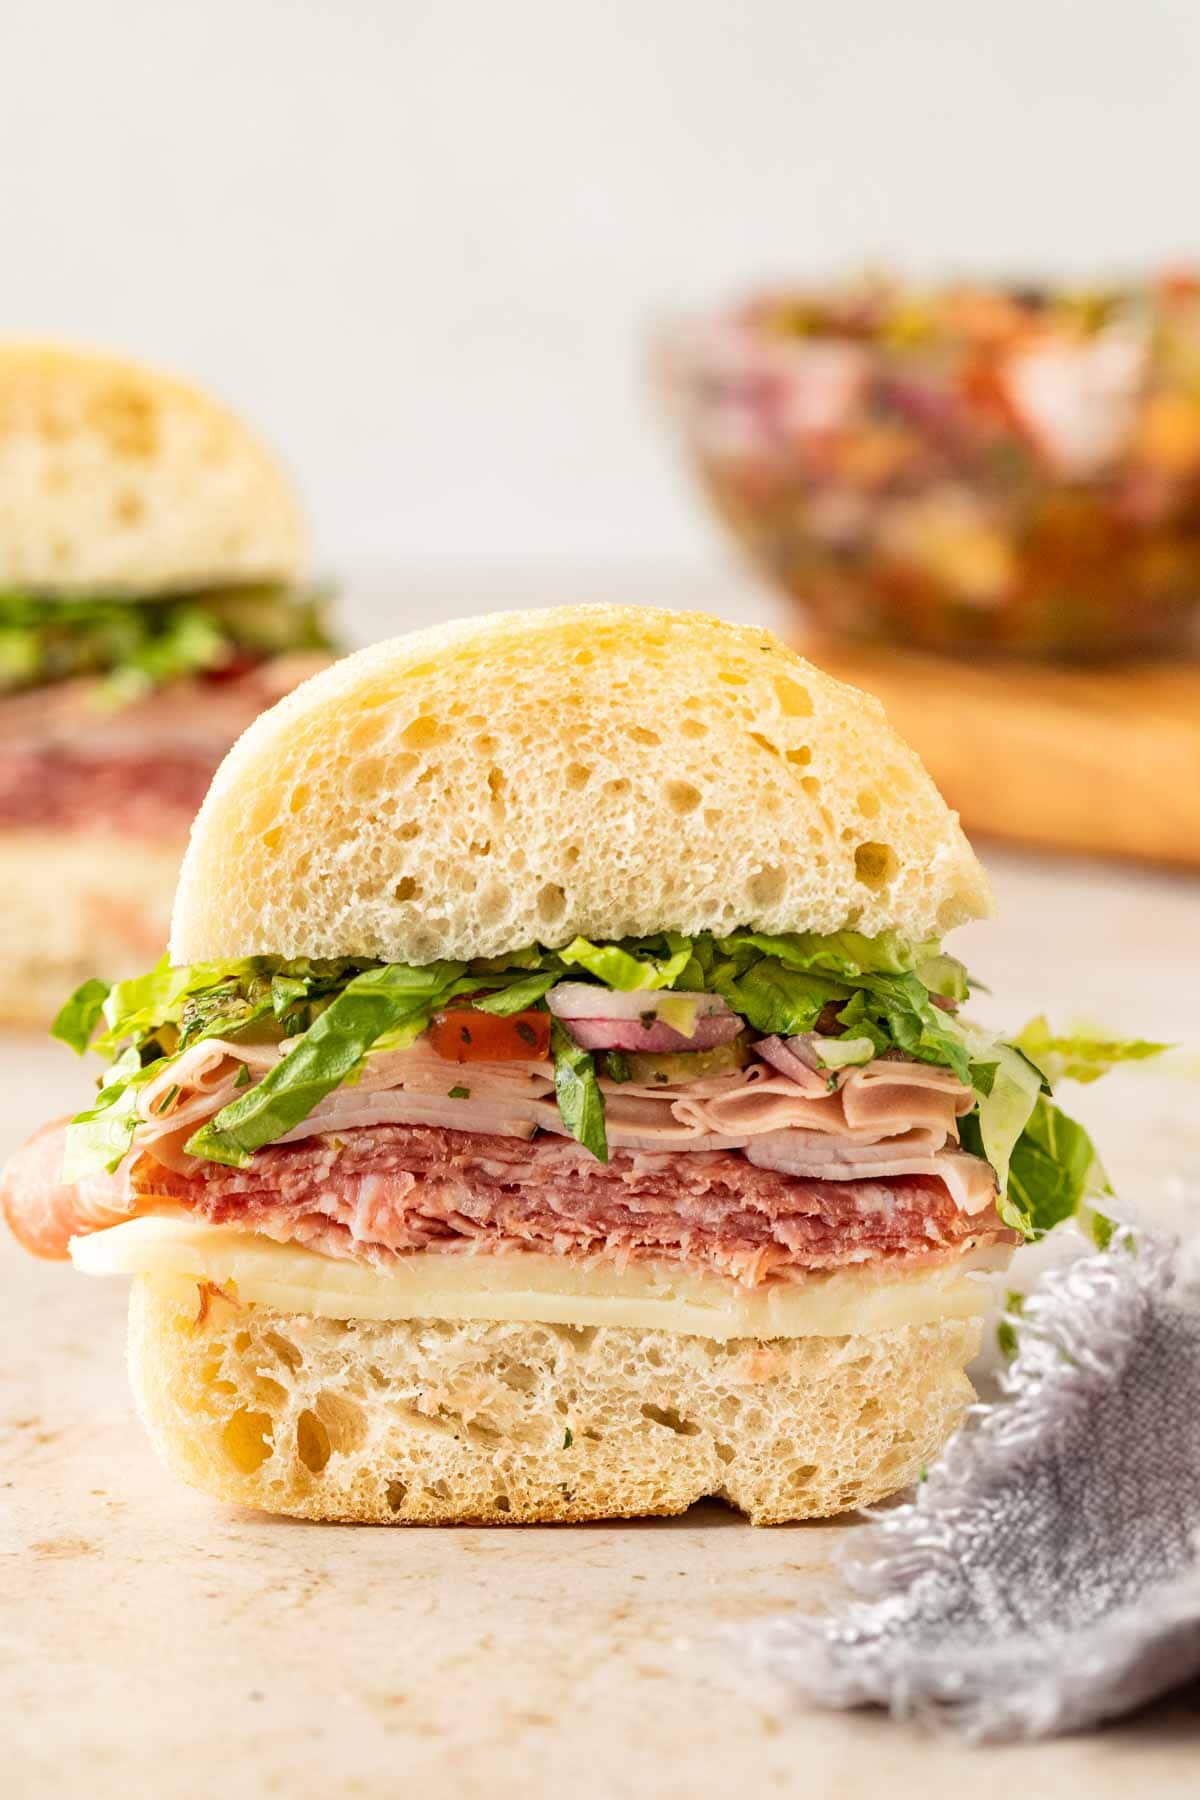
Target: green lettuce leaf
pixel 847 953
pixel 144 1004
pixel 101 1136
pixel 777 1000
pixel 945 976
pixel 189 642
pixel 520 994
pixel 856 1021
pixel 138 644
pixel 1007 1085
pixel 580 1099
pixel 79 1017
pixel 624 968
pixel 1079 1056
pixel 915 1025
pixel 1006 1331
pixel 339 1011
pixel 287 993
pixel 1053 1168
pixel 376 1003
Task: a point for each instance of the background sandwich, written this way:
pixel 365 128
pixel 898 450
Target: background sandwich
pixel 557 1105
pixel 151 552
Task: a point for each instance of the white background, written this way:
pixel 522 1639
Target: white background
pixel 419 243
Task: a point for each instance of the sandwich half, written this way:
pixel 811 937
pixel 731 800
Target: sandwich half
pixel 557 1104
pixel 151 605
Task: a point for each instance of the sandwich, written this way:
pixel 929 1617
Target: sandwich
pixel 558 1102
pixel 151 604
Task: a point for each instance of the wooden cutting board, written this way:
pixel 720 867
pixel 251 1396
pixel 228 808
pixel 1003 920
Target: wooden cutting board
pixel 1099 760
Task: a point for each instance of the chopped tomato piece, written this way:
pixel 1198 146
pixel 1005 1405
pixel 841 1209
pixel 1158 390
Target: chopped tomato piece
pixel 464 1034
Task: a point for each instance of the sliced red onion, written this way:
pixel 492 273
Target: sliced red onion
pixel 803 1056
pixel 793 1057
pixel 347 1109
pixel 602 1019
pixel 783 1050
pixel 585 1000
pixel 622 1034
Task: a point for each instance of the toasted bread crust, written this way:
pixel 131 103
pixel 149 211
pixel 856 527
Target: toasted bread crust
pixel 604 771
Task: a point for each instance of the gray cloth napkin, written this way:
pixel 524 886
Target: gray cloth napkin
pixel 1047 1574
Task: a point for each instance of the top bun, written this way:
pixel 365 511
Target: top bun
pixel 114 477
pixel 607 771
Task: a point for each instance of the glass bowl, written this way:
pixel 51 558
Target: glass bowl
pixel 971 469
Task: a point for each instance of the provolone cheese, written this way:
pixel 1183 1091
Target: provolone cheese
pixel 531 1287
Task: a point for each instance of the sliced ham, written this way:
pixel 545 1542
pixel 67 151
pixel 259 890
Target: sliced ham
pixel 887 1091
pixel 968 1179
pixel 765 1101
pixel 884 1099
pixel 415 1132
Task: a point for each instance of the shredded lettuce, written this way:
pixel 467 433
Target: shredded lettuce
pixel 101 1136
pixel 1080 1056
pixel 945 976
pixel 1048 1167
pixel 846 953
pixel 1045 1162
pixel 140 644
pixel 775 1000
pixel 519 995
pixel 631 966
pixel 79 1017
pixel 862 997
pixel 1054 1167
pixel 1007 1086
pixel 580 1100
pixel 902 1006
pixel 379 1002
pixel 1006 1330
pixel 340 1011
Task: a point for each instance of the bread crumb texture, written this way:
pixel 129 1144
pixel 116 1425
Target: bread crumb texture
pixel 115 477
pixel 603 771
pixel 431 1422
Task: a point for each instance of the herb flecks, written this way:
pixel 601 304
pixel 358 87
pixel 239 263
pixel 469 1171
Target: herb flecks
pixel 868 996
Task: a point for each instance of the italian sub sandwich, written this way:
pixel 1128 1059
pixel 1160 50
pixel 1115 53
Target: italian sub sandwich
pixel 151 604
pixel 558 1102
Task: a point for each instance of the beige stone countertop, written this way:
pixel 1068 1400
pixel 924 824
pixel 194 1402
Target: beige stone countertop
pixel 152 1643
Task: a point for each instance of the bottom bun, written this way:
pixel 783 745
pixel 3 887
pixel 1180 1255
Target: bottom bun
pixel 429 1422
pixel 78 904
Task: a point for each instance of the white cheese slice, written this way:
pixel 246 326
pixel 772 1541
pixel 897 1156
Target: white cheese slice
pixel 532 1287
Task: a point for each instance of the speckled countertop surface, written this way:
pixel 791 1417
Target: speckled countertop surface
pixel 153 1643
